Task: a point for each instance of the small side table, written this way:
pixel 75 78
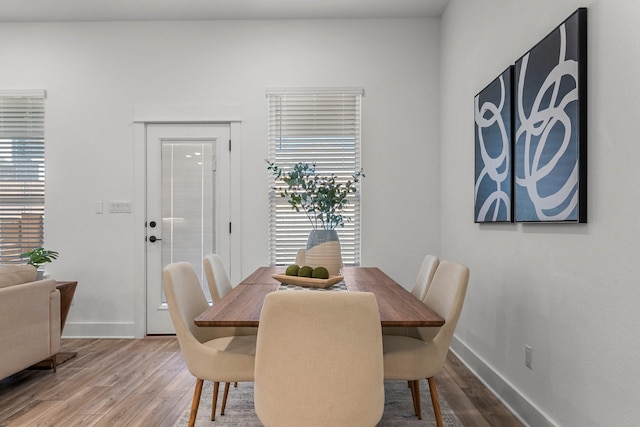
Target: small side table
pixel 67 290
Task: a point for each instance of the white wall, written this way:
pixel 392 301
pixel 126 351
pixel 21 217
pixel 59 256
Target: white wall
pixel 569 291
pixel 97 73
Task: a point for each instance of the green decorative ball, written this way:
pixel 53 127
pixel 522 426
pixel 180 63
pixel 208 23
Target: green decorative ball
pixel 320 273
pixel 292 270
pixel 305 271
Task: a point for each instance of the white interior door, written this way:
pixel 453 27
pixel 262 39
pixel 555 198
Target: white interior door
pixel 188 212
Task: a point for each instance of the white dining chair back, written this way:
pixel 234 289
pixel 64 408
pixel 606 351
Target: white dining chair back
pixel 319 360
pixel 425 275
pixel 220 286
pixel 217 277
pixel 446 297
pixel 419 290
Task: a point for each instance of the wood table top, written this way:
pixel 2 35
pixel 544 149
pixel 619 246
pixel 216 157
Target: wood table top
pixel 243 305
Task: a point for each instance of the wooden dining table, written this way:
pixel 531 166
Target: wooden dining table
pixel 243 305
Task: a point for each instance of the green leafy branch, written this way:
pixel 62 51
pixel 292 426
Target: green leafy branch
pixel 321 197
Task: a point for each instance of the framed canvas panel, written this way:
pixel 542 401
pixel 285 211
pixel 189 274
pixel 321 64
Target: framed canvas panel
pixel 493 150
pixel 550 143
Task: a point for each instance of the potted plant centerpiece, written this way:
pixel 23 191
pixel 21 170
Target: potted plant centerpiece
pixel 38 257
pixel 322 197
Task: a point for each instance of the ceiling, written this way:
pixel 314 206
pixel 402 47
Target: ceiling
pixel 173 10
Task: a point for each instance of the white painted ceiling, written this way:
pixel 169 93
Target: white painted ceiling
pixel 161 10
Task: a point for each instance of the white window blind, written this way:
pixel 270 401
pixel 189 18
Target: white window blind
pixel 320 126
pixel 21 173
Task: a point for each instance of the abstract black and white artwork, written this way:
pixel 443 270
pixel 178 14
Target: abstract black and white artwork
pixel 493 182
pixel 550 145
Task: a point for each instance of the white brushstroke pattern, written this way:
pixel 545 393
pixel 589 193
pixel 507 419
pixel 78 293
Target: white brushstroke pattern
pixel 539 124
pixel 495 168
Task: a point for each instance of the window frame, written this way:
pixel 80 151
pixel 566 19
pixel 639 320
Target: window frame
pixel 327 133
pixel 22 173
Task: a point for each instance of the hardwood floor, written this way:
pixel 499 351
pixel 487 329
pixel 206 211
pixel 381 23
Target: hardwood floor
pixel 145 383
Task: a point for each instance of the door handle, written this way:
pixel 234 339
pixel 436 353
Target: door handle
pixel 153 239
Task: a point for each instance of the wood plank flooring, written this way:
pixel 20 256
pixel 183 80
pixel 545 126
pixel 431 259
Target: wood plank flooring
pixel 118 382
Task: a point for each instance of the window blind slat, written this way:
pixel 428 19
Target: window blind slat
pixel 22 188
pixel 321 127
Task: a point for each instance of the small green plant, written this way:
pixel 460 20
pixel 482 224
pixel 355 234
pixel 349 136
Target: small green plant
pixel 321 197
pixel 39 256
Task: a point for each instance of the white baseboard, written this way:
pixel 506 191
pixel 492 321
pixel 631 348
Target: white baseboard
pixel 518 404
pixel 99 330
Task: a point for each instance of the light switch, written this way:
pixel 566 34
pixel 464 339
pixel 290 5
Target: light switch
pixel 99 207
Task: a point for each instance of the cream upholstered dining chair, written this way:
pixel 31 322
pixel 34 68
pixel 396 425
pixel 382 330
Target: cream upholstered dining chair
pixel 425 275
pixel 411 359
pixel 319 360
pixel 220 285
pixel 217 277
pixel 210 353
pixel 419 290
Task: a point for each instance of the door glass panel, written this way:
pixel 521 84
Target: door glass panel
pixel 188 204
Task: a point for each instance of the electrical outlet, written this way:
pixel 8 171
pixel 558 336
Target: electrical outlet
pixel 119 206
pixel 528 355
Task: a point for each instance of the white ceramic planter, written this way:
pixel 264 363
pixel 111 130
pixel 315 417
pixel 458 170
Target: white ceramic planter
pixel 323 249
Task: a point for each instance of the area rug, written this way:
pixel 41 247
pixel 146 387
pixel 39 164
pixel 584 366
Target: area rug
pixel 398 407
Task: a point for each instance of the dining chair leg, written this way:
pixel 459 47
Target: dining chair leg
pixel 413 397
pixel 196 402
pixel 435 401
pixel 416 398
pixel 224 397
pixel 214 402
